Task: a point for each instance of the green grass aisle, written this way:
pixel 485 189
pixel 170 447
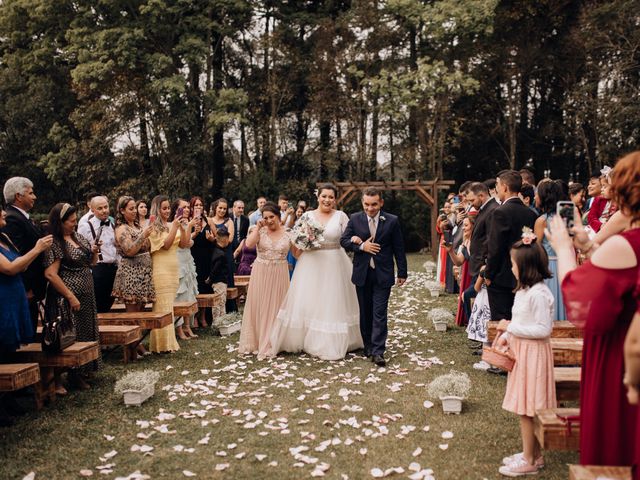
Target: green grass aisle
pixel 218 415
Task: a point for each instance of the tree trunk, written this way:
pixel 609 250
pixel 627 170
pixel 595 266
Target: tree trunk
pixel 413 111
pixel 144 140
pixel 325 144
pixel 218 135
pixel 375 124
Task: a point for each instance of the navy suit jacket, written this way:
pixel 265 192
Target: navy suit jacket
pixel 389 236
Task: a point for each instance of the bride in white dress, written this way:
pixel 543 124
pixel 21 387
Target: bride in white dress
pixel 320 314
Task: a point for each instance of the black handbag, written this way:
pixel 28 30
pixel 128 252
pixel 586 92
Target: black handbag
pixel 58 329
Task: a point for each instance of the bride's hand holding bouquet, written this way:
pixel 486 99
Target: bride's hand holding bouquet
pixel 307 233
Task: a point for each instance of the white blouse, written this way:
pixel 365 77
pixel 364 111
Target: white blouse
pixel 532 312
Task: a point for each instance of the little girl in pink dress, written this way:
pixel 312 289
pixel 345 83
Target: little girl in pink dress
pixel 530 385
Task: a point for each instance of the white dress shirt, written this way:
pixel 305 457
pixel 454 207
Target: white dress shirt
pixel 532 312
pixel 108 237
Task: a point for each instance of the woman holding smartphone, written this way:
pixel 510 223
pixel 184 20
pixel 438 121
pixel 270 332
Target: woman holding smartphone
pixel 204 237
pixel 187 276
pixel 165 238
pixel 220 209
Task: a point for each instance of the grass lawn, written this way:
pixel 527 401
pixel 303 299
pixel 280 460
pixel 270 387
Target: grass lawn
pixel 216 414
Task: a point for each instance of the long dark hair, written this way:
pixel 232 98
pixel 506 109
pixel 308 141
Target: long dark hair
pixel 550 194
pixel 214 207
pixel 532 262
pixel 174 208
pixel 59 214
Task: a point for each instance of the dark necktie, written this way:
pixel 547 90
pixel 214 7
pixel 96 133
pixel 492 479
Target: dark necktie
pixel 105 223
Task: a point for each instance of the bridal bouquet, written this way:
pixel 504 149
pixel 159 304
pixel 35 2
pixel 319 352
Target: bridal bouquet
pixel 307 233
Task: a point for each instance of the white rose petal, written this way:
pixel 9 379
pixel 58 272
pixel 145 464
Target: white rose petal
pixel 222 466
pixel 188 473
pixel 446 435
pixel 427 404
pixel 377 473
pixel 86 473
pixel 443 446
pixel 416 452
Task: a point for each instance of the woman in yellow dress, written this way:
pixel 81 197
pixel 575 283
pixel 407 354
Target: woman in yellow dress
pixel 165 239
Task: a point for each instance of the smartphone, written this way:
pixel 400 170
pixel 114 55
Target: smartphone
pixel 152 218
pixel 565 210
pixel 179 212
pixel 448 237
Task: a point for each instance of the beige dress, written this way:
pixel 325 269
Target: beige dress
pixel 267 289
pixel 165 282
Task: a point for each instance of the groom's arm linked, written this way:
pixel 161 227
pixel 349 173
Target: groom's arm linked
pixel 397 244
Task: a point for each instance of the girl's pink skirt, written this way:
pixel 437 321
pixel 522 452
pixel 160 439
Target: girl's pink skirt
pixel 530 385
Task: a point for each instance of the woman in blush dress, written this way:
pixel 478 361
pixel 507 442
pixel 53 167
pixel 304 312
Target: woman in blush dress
pixel 269 282
pixel 600 297
pixel 326 326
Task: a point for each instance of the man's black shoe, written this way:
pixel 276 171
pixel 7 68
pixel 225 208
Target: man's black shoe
pixel 378 360
pixel 475 345
pixel 496 371
pixel 477 352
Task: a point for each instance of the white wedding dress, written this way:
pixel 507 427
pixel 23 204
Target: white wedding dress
pixel 320 314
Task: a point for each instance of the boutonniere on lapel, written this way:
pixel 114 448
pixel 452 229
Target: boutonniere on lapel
pixel 382 218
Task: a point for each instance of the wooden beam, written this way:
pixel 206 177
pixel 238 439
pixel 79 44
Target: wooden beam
pixel 344 195
pixel 422 191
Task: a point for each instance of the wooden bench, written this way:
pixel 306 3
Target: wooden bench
pixel 567 383
pixel 15 376
pixel 145 320
pixel 232 293
pixel 553 432
pixel 241 282
pixel 185 309
pixel 592 472
pixel 561 329
pixel 208 300
pixel 126 336
pixel 567 351
pixel 121 307
pixel 74 356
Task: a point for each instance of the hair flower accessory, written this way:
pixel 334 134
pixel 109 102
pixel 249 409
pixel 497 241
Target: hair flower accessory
pixel 606 171
pixel 382 219
pixel 528 237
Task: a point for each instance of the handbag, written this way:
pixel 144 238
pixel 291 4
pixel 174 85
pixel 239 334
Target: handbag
pixel 58 332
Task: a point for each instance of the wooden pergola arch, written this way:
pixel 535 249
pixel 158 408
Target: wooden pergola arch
pixel 427 190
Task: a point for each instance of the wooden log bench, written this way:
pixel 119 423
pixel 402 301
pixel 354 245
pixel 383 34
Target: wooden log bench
pixel 553 432
pixel 241 282
pixel 145 320
pixel 185 309
pixel 125 336
pixel 561 329
pixel 567 383
pixel 15 376
pixel 208 300
pixel 121 307
pixel 567 351
pixel 593 472
pixel 74 356
pixel 232 293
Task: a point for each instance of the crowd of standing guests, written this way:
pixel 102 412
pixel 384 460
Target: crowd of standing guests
pixel 528 264
pixel 137 254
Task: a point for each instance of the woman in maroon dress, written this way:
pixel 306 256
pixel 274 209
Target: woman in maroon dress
pixel 460 259
pixel 599 297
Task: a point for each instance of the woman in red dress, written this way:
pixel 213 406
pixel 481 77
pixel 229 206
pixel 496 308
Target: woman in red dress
pixel 460 259
pixel 599 297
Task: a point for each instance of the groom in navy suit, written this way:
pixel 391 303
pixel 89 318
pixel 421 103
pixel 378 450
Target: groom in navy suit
pixel 375 238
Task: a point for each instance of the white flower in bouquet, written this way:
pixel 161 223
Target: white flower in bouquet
pixel 429 265
pixel 307 233
pixel 440 315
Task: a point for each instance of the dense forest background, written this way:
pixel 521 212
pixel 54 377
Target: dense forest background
pixel 242 97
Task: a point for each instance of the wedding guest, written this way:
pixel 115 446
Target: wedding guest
pixel 484 204
pixel 603 207
pixel 460 258
pixel 505 229
pixel 98 227
pixel 88 197
pixel 246 256
pixel 219 219
pixel 576 195
pixel 16 327
pixel 528 197
pixel 443 227
pixel 491 185
pixel 530 385
pixel 187 276
pixel 203 245
pixel 269 282
pixel 599 296
pixel 142 211
pixel 219 270
pixel 68 269
pixel 478 320
pixel 547 197
pixel 257 214
pixel 594 189
pixel 240 224
pixel 527 177
pixel 165 238
pixel 25 233
pixel 133 284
